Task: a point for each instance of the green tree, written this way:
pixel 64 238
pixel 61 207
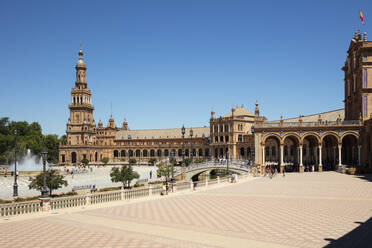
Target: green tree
pixel 105 160
pixel 51 143
pixel 132 161
pixel 152 161
pixel 165 169
pixel 85 161
pixel 124 174
pixel 54 180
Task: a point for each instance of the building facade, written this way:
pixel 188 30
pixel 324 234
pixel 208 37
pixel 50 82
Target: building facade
pixel 325 141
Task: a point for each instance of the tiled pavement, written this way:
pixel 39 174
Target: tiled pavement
pixel 299 210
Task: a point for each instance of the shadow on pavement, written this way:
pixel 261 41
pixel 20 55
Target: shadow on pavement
pixel 359 237
pixel 367 177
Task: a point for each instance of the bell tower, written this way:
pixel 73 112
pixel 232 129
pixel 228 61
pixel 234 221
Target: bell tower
pixel 81 126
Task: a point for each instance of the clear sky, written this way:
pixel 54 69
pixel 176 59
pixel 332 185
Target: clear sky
pixel 165 63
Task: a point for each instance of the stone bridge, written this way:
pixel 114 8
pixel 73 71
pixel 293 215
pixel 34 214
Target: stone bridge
pixel 236 166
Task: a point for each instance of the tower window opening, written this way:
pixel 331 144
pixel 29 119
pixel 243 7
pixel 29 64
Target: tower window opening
pixel 365 78
pixel 365 106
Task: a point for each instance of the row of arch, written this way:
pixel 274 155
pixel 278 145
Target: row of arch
pixel 160 153
pixel 327 151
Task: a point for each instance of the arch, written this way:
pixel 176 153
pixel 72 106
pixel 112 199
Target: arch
pixel 159 153
pixel 138 153
pixel 355 134
pixel 122 153
pixel 334 134
pixel 116 153
pixel 166 153
pixel 312 134
pixel 269 135
pixel 293 135
pixel 73 157
pixel 206 152
pixel 144 153
pixel 96 156
pixel 179 152
pixel 310 151
pixel 152 153
pixel 349 149
pixel 200 152
pixel 130 153
pixel 193 152
pixel 330 151
pixel 187 152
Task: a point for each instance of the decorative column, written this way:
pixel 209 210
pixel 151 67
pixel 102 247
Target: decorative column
pixel 320 168
pixel 281 158
pixel 359 148
pixel 339 156
pixel 301 165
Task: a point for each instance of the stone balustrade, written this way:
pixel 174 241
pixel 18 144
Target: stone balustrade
pixel 48 204
pixel 10 209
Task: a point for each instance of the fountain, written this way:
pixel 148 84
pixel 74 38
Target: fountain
pixel 29 165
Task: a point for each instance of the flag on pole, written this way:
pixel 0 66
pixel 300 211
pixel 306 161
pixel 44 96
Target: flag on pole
pixel 361 16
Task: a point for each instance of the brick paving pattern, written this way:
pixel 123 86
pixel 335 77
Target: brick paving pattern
pixel 299 210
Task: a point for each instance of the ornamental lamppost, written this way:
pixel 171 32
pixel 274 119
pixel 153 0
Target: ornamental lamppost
pixel 15 186
pixel 191 149
pixel 252 147
pixel 203 137
pixel 183 145
pixel 172 161
pixel 44 191
pixel 227 162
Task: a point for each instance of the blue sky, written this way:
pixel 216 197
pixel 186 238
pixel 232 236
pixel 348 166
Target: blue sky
pixel 165 63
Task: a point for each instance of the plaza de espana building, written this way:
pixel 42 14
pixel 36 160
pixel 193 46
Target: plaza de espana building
pixel 323 141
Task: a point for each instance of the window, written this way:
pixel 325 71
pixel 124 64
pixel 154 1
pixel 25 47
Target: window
pixel 365 78
pixel 365 58
pixel 267 151
pixel 221 139
pixel 273 151
pixel 285 150
pixel 365 106
pixel 240 138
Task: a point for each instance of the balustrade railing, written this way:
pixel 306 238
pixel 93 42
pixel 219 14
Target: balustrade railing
pixel 10 209
pixel 48 204
pixel 67 202
pixel 311 123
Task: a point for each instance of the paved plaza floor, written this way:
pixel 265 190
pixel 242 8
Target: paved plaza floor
pixel 299 210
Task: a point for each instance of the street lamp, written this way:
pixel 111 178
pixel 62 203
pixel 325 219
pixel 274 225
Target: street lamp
pixel 203 137
pixel 252 148
pixel 227 162
pixel 191 149
pixel 44 191
pixel 172 161
pixel 15 186
pixel 183 144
